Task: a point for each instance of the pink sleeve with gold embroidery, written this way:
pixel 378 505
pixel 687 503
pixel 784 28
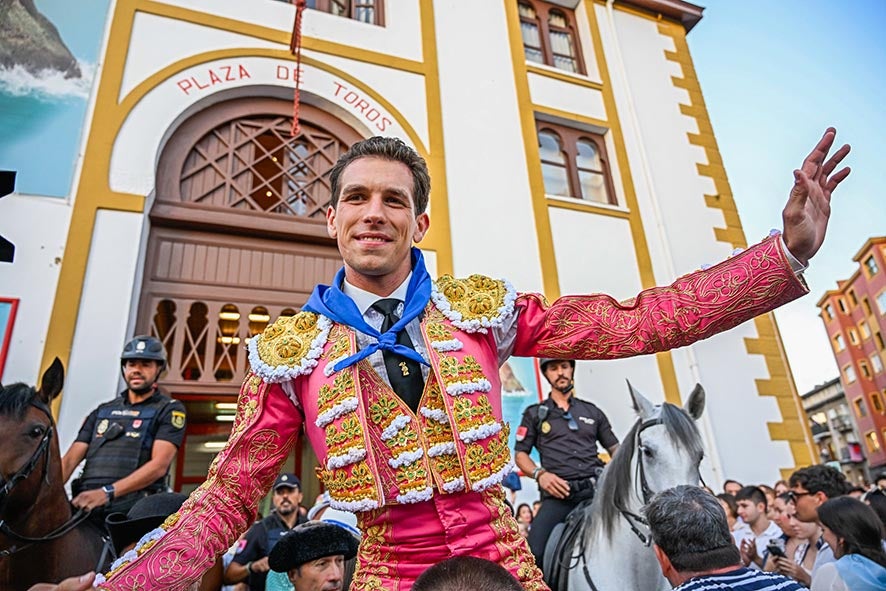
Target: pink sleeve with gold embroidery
pixel 262 436
pixel 694 307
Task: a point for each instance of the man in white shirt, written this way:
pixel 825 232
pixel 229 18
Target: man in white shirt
pixel 758 529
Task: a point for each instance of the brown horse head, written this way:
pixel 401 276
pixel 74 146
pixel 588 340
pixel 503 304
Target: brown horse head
pixel 29 442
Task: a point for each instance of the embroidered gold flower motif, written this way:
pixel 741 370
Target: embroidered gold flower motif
pixel 288 340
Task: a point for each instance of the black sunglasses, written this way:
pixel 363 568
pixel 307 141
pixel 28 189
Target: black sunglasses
pixel 794 495
pixel 573 426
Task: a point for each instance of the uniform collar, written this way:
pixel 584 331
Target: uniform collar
pixel 158 392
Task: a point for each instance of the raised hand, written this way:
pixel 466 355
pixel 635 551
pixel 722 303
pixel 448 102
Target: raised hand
pixel 808 208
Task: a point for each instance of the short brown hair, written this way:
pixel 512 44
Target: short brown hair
pixel 389 148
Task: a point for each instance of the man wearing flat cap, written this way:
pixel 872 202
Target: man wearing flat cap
pixel 252 561
pixel 313 555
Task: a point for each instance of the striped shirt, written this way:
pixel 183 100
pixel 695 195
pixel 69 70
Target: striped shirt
pixel 741 579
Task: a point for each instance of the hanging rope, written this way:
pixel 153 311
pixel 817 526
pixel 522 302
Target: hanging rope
pixel 295 49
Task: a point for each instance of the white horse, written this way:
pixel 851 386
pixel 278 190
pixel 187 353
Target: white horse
pixel 662 449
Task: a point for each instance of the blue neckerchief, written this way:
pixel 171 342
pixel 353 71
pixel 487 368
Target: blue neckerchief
pixel 332 302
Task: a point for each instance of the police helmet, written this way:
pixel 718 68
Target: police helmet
pixel 144 347
pixel 543 362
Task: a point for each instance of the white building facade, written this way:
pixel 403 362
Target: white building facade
pixel 569 147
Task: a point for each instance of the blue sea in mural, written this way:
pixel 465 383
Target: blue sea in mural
pixel 39 138
pixel 42 113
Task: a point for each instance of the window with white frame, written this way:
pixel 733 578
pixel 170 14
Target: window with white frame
pixel 839 344
pixel 881 303
pixel 865 329
pixel 876 362
pixel 849 374
pixel 870 264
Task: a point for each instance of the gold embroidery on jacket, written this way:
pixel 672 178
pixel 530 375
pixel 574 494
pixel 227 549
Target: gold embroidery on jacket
pixel 355 482
pixel 288 340
pixel 475 297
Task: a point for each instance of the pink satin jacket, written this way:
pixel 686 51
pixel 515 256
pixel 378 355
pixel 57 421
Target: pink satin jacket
pixel 374 451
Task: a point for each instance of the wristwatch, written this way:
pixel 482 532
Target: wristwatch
pixel 109 490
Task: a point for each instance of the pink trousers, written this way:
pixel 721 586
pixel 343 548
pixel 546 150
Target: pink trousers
pixel 401 541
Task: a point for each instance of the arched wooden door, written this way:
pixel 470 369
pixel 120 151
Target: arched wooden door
pixel 238 237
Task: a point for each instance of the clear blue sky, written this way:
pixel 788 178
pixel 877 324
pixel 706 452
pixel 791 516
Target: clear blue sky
pixel 775 74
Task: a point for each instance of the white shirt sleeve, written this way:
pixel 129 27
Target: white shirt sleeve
pixel 828 579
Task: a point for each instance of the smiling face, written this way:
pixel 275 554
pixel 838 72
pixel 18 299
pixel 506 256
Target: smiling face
pixel 374 223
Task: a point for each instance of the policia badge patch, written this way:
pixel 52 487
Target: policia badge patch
pixel 178 419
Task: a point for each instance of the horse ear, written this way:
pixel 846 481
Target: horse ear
pixel 52 380
pixel 695 403
pixel 642 406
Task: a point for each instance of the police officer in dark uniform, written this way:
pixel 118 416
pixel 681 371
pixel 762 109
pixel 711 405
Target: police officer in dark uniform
pixel 565 430
pixel 129 442
pixel 252 560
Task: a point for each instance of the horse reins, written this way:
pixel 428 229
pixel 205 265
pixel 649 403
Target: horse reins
pixel 42 452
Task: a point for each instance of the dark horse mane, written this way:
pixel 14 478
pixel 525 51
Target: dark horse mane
pixel 15 399
pixel 616 483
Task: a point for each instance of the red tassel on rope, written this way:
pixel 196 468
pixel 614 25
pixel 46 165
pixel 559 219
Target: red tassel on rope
pixel 295 49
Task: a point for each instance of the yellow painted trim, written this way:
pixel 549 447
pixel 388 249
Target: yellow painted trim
pixel 563 77
pixel 547 258
pixel 160 76
pixel 665 361
pixel 570 116
pixel 439 237
pixel 793 428
pixel 207 19
pixel 588 207
pixel 92 193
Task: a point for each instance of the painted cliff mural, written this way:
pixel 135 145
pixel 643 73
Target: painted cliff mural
pixel 48 55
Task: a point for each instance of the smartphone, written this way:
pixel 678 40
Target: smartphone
pixel 775 550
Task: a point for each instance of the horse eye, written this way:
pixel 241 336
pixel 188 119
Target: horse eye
pixel 36 432
pixel 648 452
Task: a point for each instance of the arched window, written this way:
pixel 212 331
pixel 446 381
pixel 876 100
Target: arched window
pixel 573 164
pixel 550 36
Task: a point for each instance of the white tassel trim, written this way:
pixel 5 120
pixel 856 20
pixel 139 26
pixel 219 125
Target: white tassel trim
pixel 445 346
pixel 416 496
pixel 436 414
pixel 454 485
pixel 496 478
pixel 459 388
pixel 353 455
pixel 281 373
pixel 395 427
pixel 481 432
pixel 353 506
pixel 442 449
pixel 406 458
pixel 342 408
pixel 153 535
pixel 330 367
pixel 480 324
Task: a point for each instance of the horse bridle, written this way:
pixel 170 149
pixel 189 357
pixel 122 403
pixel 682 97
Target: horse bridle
pixel 41 453
pixel 646 493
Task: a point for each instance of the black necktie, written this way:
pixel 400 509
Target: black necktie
pixel 404 374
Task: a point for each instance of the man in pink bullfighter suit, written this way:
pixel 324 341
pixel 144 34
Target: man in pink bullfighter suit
pixel 395 378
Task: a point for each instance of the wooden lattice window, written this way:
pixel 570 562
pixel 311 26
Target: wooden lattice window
pixel 253 164
pixel 236 167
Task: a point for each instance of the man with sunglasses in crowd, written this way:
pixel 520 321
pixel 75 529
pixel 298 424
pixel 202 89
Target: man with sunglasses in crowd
pixel 565 430
pixel 811 487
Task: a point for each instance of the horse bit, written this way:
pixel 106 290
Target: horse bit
pixel 42 452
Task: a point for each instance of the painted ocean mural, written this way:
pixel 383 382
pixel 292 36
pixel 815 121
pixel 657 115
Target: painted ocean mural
pixel 48 55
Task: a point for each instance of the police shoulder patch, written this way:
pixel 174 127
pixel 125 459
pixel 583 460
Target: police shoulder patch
pixel 178 419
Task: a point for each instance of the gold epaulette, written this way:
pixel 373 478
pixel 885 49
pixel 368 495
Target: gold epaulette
pixel 289 347
pixel 475 303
